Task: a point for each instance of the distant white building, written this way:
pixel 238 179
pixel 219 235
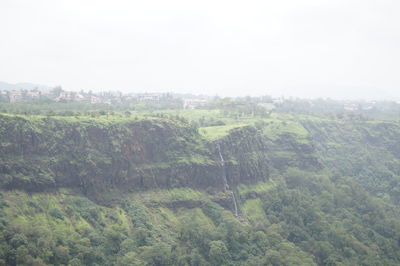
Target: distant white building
pixel 149 97
pixel 95 99
pixel 277 100
pixel 368 107
pixel 66 96
pixel 46 93
pixel 15 96
pixel 193 103
pixel 350 107
pixel 79 97
pixel 33 94
pixel 267 106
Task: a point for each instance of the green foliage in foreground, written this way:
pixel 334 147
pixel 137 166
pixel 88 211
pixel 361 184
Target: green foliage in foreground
pixel 299 219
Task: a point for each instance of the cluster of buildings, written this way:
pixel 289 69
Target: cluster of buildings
pixel 56 95
pixel 59 95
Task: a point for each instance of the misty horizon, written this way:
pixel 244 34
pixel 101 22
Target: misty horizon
pixel 307 49
pixel 31 86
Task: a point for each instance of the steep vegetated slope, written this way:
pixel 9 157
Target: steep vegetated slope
pixel 368 152
pixel 159 191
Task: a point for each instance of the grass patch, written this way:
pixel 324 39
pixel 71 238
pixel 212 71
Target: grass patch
pixel 253 210
pixel 217 132
pixel 275 129
pixel 259 189
pixel 170 195
pixel 195 216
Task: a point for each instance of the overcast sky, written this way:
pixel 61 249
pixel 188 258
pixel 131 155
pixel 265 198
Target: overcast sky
pixel 304 48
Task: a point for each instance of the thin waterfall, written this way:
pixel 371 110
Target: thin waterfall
pixel 234 203
pixel 225 181
pixel 222 161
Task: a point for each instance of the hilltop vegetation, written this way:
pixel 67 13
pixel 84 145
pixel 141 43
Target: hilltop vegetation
pixel 147 188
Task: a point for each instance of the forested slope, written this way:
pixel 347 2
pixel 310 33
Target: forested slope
pixel 368 152
pixel 150 191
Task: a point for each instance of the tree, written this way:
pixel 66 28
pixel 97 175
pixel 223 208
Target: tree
pixel 219 254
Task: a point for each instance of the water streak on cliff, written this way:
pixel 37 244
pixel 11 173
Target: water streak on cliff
pixel 225 181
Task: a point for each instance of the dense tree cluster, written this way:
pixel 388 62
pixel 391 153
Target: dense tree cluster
pixel 309 219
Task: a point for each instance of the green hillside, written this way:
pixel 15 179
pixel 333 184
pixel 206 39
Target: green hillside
pixel 161 189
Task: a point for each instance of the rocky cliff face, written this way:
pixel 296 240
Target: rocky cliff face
pixel 45 153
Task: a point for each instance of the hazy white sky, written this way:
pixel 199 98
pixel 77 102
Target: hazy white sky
pixel 306 48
